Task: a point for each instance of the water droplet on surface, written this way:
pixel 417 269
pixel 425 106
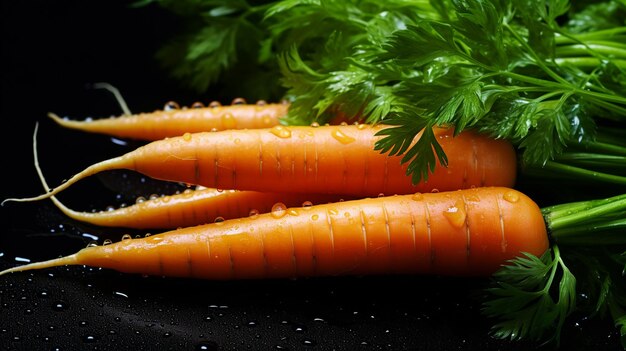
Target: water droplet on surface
pixel 307 204
pixel 170 106
pixel 281 132
pixel 253 213
pixel 315 124
pixel 239 101
pixel 261 103
pixel 126 237
pixel 187 136
pixel 417 197
pixel 140 199
pixel 219 219
pixel 342 137
pixel 206 346
pixel 315 217
pixel 279 210
pixel 215 104
pixel 107 242
pixel 60 306
pixel 511 196
pixel 197 104
pixel 456 215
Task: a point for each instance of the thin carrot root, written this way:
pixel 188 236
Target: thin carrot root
pixel 465 232
pixel 116 93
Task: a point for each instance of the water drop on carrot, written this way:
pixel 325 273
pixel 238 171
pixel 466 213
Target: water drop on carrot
pixel 171 105
pixel 281 132
pixel 279 210
pixel 187 136
pixel 455 215
pixel 342 137
pixel 238 101
pixel 511 197
pixel 417 197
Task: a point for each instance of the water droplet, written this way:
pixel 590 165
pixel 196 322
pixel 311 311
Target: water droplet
pixel 215 104
pixel 261 102
pixel 435 190
pixel 237 141
pixel 197 104
pixel 154 196
pixel 206 346
pixel 229 121
pixel 126 237
pixel 187 136
pixel 417 197
pixel 342 137
pixel 381 195
pixel 239 101
pixel 140 199
pixel 307 204
pixel 171 105
pixel 219 219
pixel 89 338
pixel 253 213
pixel 281 132
pixel 293 212
pixel 361 126
pixel 92 243
pixel 456 215
pixel 59 306
pixel 315 124
pixel 279 210
pixel 315 217
pixel 511 196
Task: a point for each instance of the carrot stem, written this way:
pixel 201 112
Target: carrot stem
pixel 593 222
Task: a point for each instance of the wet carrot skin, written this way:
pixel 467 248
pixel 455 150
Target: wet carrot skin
pixel 468 232
pixel 326 159
pixel 169 123
pixel 195 207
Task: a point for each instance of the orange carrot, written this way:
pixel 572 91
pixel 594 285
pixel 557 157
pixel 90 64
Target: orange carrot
pixel 174 121
pixel 464 232
pixel 326 159
pixel 192 207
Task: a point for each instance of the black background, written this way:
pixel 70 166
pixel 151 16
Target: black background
pixel 52 51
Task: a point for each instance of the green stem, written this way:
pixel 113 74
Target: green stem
pixel 585 62
pixel 554 168
pixel 610 50
pixel 593 222
pixel 586 159
pixel 605 34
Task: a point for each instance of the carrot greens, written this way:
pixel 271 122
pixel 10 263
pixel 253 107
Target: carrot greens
pixel 582 272
pixel 541 74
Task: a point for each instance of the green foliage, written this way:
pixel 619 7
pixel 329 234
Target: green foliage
pixel 532 297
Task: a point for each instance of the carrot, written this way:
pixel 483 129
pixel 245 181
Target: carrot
pixel 174 121
pixel 465 232
pixel 326 159
pixel 192 207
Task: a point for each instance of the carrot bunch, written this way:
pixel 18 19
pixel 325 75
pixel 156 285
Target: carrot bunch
pixel 286 201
